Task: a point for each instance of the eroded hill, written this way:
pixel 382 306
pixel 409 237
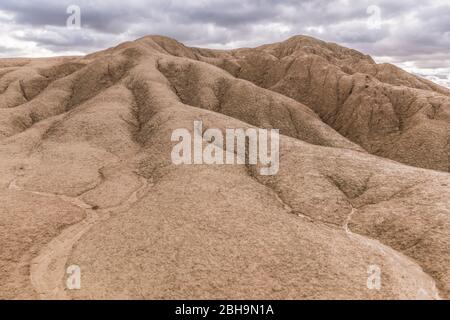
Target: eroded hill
pixel 87 178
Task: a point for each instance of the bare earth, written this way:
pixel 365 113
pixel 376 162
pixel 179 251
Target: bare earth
pixel 86 176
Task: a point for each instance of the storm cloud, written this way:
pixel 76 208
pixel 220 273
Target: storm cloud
pixel 412 34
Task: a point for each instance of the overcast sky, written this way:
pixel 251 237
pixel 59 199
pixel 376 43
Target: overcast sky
pixel 413 34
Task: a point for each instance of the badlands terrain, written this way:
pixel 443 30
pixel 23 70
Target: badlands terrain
pixel 86 176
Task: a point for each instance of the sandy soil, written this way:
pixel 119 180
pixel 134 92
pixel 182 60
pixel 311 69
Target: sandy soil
pixel 86 176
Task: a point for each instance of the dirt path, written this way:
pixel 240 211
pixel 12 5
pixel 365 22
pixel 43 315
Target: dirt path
pixel 428 289
pixel 48 269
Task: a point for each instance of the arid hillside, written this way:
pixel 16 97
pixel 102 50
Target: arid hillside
pixel 87 179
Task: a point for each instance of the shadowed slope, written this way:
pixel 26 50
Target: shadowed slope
pixel 380 107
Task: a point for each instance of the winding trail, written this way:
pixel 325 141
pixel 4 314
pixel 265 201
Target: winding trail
pixel 47 270
pixel 427 285
pixel 428 289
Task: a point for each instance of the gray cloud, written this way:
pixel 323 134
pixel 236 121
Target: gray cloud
pixel 409 30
